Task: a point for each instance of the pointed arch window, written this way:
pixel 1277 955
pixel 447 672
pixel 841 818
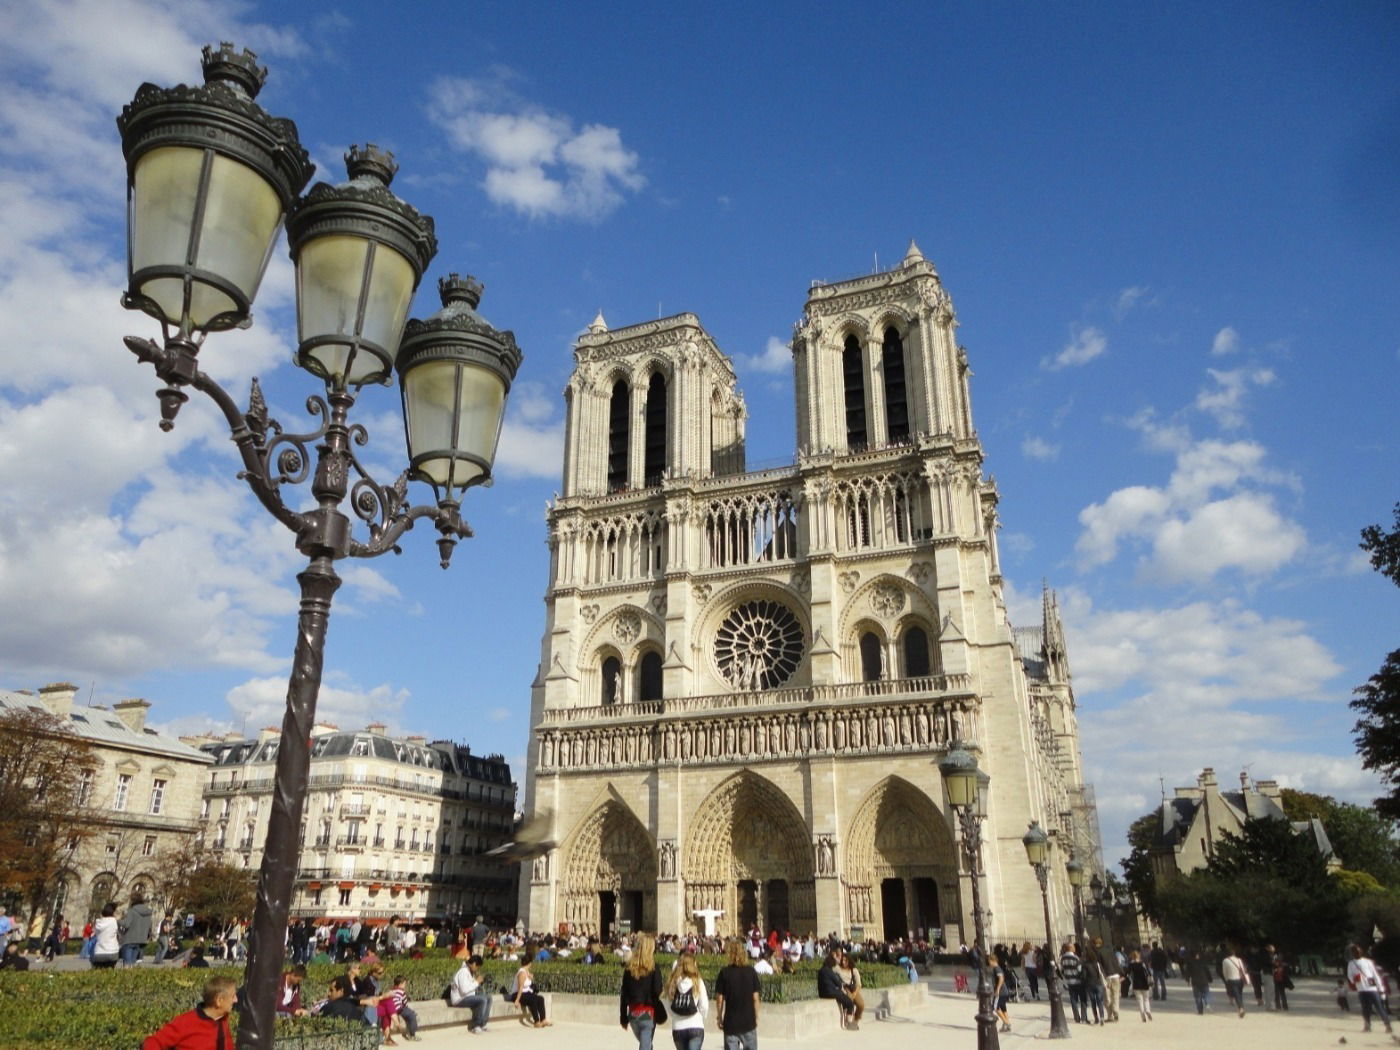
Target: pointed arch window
pixel 649 677
pixel 612 681
pixel 655 459
pixel 916 661
pixel 870 657
pixel 896 401
pixel 853 374
pixel 619 416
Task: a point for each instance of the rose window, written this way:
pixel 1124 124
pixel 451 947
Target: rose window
pixel 759 645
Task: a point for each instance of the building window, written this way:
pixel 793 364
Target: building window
pixel 123 791
pixel 114 843
pixel 344 898
pixel 158 795
pixel 649 677
pixel 853 373
pixel 870 657
pixel 612 680
pixel 204 810
pixel 148 847
pixel 84 789
pixel 619 417
pixel 316 898
pixel 896 401
pixel 655 457
pixel 223 813
pixel 916 661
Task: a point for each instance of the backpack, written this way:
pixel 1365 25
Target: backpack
pixel 683 1002
pixel 447 994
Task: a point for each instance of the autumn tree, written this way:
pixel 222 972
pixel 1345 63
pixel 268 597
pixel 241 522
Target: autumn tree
pixel 45 773
pixel 1137 866
pixel 214 892
pixel 1378 701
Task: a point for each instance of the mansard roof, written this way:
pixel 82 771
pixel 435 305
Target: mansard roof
pixel 440 754
pixel 104 728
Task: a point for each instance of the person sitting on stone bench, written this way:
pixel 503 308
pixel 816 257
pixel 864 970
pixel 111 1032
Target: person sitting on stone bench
pixel 466 991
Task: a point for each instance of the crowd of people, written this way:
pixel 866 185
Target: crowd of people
pixel 1094 978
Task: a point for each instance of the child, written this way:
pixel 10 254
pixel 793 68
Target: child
pixel 389 1007
pixel 1343 1003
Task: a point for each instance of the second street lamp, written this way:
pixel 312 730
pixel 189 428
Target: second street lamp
pixel 1037 845
pixel 1074 872
pixel 967 794
pixel 210 176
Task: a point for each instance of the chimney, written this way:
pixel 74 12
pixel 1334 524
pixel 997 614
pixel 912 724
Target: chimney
pixel 232 736
pixel 266 733
pixel 133 713
pixel 1244 780
pixel 1269 789
pixel 1206 779
pixel 377 728
pixel 417 738
pixel 58 698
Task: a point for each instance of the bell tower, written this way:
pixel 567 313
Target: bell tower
pixel 884 368
pixel 648 402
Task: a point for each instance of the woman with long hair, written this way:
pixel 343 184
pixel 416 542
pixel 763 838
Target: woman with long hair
pixel 690 1003
pixel 640 1000
pixel 523 994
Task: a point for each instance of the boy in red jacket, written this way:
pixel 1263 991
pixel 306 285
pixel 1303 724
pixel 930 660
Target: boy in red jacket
pixel 203 1028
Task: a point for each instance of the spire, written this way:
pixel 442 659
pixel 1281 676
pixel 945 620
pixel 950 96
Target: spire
pixel 913 255
pixel 599 325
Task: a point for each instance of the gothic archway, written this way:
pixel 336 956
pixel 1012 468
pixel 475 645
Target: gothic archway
pixel 749 856
pixel 901 870
pixel 609 872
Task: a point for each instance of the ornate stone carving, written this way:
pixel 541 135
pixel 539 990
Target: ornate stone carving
pixel 589 613
pixel 627 626
pixel 759 645
pixel 802 582
pixel 702 592
pixel 920 572
pixel 826 857
pixel 658 603
pixel 887 600
pixel 666 867
pixel 848 580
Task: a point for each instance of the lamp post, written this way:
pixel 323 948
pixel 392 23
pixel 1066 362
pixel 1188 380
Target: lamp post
pixel 1098 891
pixel 1074 872
pixel 1037 845
pixel 211 178
pixel 967 794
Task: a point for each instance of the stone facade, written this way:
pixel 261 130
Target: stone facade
pixel 142 798
pixel 748 678
pixel 391 826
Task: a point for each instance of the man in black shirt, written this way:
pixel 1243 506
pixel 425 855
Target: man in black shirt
pixel 736 999
pixel 341 1004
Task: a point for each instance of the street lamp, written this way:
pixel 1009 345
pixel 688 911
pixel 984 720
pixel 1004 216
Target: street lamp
pixel 1097 907
pixel 1074 872
pixel 211 178
pixel 1037 845
pixel 967 793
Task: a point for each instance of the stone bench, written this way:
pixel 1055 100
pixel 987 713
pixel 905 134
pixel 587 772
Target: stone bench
pixel 435 1013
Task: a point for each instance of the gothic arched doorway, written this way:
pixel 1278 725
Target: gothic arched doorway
pixel 749 856
pixel 901 868
pixel 609 872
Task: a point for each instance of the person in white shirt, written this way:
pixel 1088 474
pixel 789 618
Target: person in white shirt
pixel 1234 973
pixel 764 964
pixel 1364 978
pixel 466 991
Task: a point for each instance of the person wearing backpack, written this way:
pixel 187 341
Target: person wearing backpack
pixel 690 1003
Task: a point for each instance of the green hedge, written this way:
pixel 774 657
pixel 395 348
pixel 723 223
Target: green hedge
pixel 116 1009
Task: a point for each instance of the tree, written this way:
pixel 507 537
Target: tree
pixel 1378 729
pixel 1362 840
pixel 213 891
pixel 45 772
pixel 1137 866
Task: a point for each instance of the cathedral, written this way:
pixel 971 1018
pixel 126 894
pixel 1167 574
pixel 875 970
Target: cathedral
pixel 748 678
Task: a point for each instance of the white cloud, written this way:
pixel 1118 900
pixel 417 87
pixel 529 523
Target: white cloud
pixel 1039 448
pixel 1213 514
pixel 1225 400
pixel 261 702
pixel 1128 300
pixel 536 162
pixel 1085 344
pixel 532 442
pixel 1226 341
pixel 775 359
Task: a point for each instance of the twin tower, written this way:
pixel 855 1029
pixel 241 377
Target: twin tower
pixel 748 678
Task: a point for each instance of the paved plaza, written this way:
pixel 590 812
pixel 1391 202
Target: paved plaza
pixel 945 1021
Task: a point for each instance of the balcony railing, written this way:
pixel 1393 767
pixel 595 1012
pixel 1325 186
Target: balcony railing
pixel 940 685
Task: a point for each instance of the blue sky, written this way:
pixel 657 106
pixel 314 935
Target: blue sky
pixel 1170 235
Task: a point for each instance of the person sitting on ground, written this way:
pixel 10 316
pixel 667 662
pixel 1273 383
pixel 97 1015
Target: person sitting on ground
pixel 197 960
pixel 289 993
pixel 12 959
pixel 203 1028
pixel 764 963
pixel 830 986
